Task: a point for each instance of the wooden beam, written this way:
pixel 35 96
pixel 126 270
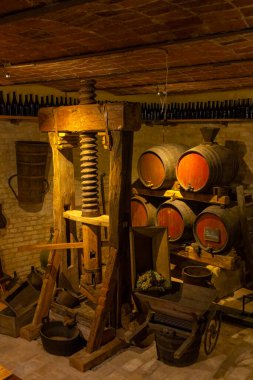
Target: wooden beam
pixel 39 247
pixel 153 45
pixel 83 361
pixel 39 10
pixel 63 199
pixel 226 262
pixel 179 194
pixel 102 220
pixel 90 117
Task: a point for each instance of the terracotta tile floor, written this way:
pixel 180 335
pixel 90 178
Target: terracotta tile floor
pixel 231 360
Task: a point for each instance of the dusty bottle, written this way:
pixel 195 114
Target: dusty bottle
pixel 8 105
pixel 20 107
pixel 26 106
pixel 2 104
pixel 31 106
pixel 14 105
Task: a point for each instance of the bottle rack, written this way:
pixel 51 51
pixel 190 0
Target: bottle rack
pixel 27 106
pixel 232 110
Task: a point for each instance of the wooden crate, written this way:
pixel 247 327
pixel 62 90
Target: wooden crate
pixel 149 250
pixel 19 309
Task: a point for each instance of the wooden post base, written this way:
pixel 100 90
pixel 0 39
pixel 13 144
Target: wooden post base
pixel 83 361
pixel 30 332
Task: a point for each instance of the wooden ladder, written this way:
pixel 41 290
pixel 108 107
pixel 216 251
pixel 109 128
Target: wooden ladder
pixel 245 205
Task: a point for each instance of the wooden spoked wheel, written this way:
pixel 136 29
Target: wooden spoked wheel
pixel 212 331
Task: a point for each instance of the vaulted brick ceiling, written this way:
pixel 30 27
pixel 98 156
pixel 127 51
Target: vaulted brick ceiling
pixel 123 44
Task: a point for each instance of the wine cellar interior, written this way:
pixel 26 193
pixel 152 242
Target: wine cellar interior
pixel 126 193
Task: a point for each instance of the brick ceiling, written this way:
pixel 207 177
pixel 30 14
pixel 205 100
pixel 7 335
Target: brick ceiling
pixel 123 44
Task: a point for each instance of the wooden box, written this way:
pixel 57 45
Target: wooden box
pixel 149 250
pixel 18 308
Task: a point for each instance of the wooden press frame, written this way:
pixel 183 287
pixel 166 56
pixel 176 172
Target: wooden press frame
pixel 122 120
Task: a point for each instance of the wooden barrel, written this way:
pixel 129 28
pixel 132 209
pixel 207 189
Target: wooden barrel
pixel 178 217
pixel 31 159
pixel 143 213
pixel 156 166
pixel 205 166
pixel 216 229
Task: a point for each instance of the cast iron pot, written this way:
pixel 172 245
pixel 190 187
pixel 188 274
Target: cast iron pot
pixel 59 339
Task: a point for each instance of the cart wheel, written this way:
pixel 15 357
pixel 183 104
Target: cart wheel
pixel 212 332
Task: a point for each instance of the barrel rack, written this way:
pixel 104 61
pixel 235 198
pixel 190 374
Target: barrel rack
pixel 231 261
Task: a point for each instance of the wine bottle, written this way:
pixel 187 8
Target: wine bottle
pixel 70 101
pixel 14 105
pixel 52 101
pixel 31 106
pixel 65 101
pixel 20 107
pixel 36 105
pixel 47 102
pixel 61 101
pixel 26 106
pixel 57 101
pixel 8 105
pixel 42 102
pixel 2 104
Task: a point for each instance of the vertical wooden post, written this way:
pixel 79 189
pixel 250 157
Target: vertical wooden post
pixel 119 255
pixel 63 199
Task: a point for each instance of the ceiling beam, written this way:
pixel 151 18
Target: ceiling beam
pixel 179 82
pixel 147 71
pixel 161 45
pixel 39 10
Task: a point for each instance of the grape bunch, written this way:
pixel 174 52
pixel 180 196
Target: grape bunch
pixel 150 279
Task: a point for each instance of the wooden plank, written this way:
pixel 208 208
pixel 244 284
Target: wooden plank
pixel 179 194
pixel 225 262
pixel 4 373
pixel 92 260
pixel 63 199
pixel 90 117
pixel 103 302
pixel 47 290
pixel 118 261
pixel 83 361
pixel 61 246
pixel 76 215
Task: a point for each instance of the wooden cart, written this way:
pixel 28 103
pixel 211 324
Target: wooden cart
pixel 186 309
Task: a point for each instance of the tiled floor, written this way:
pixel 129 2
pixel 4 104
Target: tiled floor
pixel 231 360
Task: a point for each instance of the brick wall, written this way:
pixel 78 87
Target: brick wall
pixel 27 226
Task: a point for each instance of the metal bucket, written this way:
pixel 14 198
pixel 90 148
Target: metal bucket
pixel 31 159
pixel 197 275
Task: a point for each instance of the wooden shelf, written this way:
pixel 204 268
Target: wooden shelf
pixel 76 215
pixel 196 121
pixel 229 262
pixel 179 194
pixel 16 119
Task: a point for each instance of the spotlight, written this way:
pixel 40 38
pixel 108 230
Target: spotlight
pixel 7 75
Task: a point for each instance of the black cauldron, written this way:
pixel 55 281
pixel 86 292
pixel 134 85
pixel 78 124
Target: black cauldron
pixel 60 339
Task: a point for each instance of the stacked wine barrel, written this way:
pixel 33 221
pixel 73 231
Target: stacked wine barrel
pixel 215 228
